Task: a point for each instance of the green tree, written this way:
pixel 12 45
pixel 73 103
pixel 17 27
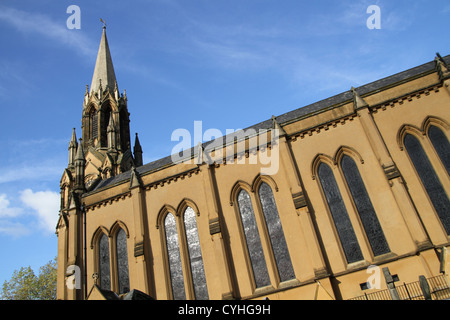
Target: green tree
pixel 25 285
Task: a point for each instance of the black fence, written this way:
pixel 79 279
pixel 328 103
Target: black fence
pixel 439 290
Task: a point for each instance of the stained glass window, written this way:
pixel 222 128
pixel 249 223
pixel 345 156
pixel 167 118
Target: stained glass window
pixel 339 213
pixel 195 255
pixel 441 145
pixel 103 257
pixel 429 179
pixel 122 261
pixel 173 252
pixel 253 240
pixel 276 234
pixel 364 207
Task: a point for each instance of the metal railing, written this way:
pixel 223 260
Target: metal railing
pixel 439 289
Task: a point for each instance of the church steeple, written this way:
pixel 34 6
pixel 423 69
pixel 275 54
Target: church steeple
pixel 105 123
pixel 104 76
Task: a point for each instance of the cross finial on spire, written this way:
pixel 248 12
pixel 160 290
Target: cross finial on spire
pixel 104 23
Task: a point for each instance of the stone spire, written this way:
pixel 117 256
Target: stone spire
pixel 137 152
pixel 73 145
pixel 104 70
pixel 80 165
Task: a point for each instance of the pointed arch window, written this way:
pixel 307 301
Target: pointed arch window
pixel 428 176
pixel 195 255
pixel 185 247
pixel 441 145
pixel 93 124
pixel 276 234
pixel 174 257
pixel 122 261
pixel 104 263
pixel 124 124
pixel 344 228
pixel 364 207
pixel 253 240
pixel 106 113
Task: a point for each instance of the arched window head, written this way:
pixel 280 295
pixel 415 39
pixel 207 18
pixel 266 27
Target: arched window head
pixel 276 234
pixel 174 257
pixel 122 261
pixel 339 214
pixel 364 207
pixel 441 145
pixel 104 263
pixel 430 180
pixel 195 255
pixel 253 240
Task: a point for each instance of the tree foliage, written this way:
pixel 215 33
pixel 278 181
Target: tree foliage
pixel 26 285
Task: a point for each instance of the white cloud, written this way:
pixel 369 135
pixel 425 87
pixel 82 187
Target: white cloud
pixel 6 210
pixel 7 215
pixel 45 205
pixel 29 173
pixel 13 229
pixel 9 227
pixel 36 23
pixel 40 206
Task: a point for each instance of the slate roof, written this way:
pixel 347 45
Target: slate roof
pixel 291 116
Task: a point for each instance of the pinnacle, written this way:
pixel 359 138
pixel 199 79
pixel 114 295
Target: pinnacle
pixel 80 151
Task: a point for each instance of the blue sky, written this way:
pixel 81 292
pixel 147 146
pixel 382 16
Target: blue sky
pixel 229 64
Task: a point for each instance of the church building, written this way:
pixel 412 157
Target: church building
pixel 357 193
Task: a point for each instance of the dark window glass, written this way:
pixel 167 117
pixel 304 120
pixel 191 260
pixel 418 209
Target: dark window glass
pixel 93 119
pixel 173 252
pixel 253 240
pixel 103 257
pixel 122 262
pixel 441 145
pixel 276 234
pixel 106 113
pixel 364 207
pixel 339 213
pixel 430 180
pixel 195 255
pixel 124 129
